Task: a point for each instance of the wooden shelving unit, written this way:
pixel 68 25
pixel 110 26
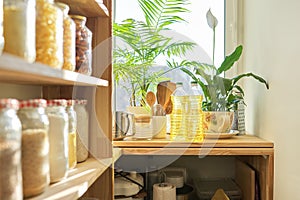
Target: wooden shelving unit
pixel 88 8
pixel 17 71
pixel 94 174
pixel 256 152
pixel 79 179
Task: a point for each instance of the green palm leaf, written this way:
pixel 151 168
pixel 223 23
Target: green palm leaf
pixel 162 13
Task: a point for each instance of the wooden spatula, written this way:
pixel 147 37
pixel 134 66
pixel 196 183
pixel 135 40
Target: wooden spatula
pixel 150 98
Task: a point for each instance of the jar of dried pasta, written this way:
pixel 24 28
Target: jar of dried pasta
pixel 1 27
pixel 35 146
pixel 49 34
pixel 72 133
pixel 10 151
pixel 58 139
pixel 19 28
pixel 83 46
pixel 69 38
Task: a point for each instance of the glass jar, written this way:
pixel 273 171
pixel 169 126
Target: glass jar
pixel 72 133
pixel 35 146
pixel 10 151
pixel 1 27
pixel 19 28
pixel 82 133
pixel 49 34
pixel 69 39
pixel 58 139
pixel 83 46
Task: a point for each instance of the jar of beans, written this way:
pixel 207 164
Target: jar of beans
pixel 58 139
pixel 83 46
pixel 35 146
pixel 49 34
pixel 10 151
pixel 72 133
pixel 69 38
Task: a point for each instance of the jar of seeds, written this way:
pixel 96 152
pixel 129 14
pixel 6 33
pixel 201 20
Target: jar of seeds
pixel 35 146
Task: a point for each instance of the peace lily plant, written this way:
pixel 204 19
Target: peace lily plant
pixel 220 93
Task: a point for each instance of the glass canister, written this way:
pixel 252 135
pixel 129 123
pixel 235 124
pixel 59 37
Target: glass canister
pixel 69 38
pixel 35 146
pixel 19 28
pixel 83 46
pixel 82 134
pixel 72 133
pixel 10 151
pixel 1 27
pixel 49 34
pixel 58 139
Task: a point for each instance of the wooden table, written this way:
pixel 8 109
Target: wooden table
pixel 255 151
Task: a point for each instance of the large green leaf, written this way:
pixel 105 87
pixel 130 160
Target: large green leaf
pixel 260 79
pixel 230 60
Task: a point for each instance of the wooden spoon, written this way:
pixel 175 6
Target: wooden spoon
pixel 150 98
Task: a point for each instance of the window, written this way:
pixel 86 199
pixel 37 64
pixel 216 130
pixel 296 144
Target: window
pixel 196 30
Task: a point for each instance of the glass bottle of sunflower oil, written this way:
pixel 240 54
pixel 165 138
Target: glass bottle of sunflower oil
pixel 178 123
pixel 194 116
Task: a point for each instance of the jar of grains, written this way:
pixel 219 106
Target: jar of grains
pixel 58 139
pixel 1 27
pixel 83 46
pixel 10 151
pixel 49 34
pixel 35 146
pixel 72 133
pixel 69 38
pixel 19 28
pixel 82 133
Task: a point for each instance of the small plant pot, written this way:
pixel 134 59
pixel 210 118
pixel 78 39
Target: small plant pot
pixel 217 121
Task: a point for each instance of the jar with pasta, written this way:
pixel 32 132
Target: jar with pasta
pixel 35 146
pixel 72 133
pixel 19 28
pixel 82 133
pixel 1 27
pixel 83 46
pixel 49 34
pixel 58 139
pixel 10 151
pixel 69 39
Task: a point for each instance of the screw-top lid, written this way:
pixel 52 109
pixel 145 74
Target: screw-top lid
pixel 78 17
pixel 70 102
pixel 57 102
pixel 9 103
pixel 33 103
pixel 81 101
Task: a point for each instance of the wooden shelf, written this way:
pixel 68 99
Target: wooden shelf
pixel 88 8
pixel 17 71
pixel 237 145
pixel 79 179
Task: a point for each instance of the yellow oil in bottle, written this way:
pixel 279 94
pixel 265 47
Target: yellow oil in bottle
pixel 187 118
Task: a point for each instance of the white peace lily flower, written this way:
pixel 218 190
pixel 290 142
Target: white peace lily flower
pixel 211 20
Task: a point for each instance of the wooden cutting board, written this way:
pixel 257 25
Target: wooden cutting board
pixel 245 178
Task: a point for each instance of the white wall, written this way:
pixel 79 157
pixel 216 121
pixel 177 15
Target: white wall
pixel 272 49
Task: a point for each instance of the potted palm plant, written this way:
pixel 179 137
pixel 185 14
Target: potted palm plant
pixel 221 94
pixel 142 42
